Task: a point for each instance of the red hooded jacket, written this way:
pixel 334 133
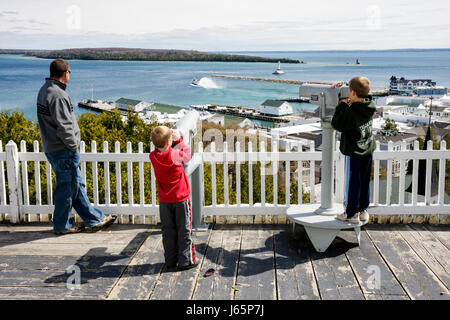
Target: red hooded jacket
pixel 172 182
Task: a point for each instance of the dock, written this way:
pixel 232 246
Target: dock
pixel 269 79
pixel 240 111
pixel 256 262
pixel 100 107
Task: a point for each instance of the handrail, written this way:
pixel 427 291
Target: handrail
pixel 269 191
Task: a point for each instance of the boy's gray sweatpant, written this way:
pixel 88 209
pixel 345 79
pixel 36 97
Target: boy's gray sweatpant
pixel 177 233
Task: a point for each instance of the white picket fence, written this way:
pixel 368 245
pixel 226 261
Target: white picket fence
pixel 15 202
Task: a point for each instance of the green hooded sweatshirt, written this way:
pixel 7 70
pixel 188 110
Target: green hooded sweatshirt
pixel 355 123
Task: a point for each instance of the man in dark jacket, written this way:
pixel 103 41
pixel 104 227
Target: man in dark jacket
pixel 353 118
pixel 60 136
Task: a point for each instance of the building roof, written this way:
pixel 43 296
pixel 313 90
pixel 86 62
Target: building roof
pixel 309 127
pixel 440 125
pixel 273 103
pixel 420 131
pixel 400 136
pixel 128 102
pixel 438 109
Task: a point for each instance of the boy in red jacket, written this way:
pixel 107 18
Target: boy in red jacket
pixel 173 191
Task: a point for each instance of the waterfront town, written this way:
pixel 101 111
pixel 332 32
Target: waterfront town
pixel 411 105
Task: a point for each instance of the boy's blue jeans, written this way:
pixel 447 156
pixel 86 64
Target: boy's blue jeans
pixel 70 191
pixel 359 170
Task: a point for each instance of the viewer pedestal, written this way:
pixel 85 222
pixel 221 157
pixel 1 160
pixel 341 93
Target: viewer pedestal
pixel 321 229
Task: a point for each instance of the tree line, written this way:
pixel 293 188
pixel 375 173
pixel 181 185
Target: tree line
pixel 127 54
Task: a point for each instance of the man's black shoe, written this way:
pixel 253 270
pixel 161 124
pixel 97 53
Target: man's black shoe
pixel 75 229
pixel 106 222
pixel 189 266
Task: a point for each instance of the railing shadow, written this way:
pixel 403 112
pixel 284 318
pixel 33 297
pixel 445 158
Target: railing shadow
pixel 284 251
pixel 97 263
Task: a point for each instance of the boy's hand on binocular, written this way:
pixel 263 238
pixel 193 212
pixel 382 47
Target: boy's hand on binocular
pixel 175 135
pixel 347 101
pixel 336 84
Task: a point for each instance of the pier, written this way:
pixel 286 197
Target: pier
pixel 244 112
pixel 100 107
pixel 268 79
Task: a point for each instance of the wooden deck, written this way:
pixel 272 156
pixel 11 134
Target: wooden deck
pixel 265 262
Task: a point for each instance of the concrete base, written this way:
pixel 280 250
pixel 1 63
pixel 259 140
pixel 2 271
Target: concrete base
pixel 321 228
pixel 202 227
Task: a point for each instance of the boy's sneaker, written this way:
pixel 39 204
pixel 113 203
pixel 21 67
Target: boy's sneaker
pixel 106 222
pixel 343 217
pixel 189 266
pixel 75 229
pixel 171 267
pixel 364 216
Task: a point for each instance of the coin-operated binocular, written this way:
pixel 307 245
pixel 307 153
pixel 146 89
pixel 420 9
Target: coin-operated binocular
pixel 187 127
pixel 324 96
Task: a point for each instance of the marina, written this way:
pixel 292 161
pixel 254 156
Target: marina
pixel 240 111
pixel 207 111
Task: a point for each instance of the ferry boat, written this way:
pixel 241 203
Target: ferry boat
pixel 278 71
pixel 195 82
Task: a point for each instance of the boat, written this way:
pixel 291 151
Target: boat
pixel 278 71
pixel 357 61
pixel 195 82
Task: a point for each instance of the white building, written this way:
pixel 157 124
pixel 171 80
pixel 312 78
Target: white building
pixel 135 105
pixel 384 137
pixel 402 84
pixel 247 124
pixel 217 119
pixel 276 108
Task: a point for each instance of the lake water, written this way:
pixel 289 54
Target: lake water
pixel 169 82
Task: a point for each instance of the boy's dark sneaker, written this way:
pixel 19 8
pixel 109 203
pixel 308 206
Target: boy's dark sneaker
pixel 75 229
pixel 106 222
pixel 189 266
pixel 171 267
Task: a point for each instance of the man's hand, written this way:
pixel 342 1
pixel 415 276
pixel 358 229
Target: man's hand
pixel 175 135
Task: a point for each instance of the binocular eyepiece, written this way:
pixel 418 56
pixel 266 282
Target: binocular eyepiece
pixel 187 126
pixel 324 96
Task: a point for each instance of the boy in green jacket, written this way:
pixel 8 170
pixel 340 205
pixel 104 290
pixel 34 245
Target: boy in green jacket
pixel 353 118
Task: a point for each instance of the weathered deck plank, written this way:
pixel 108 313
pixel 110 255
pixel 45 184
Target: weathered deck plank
pixel 53 293
pixel 367 264
pixel 294 270
pixel 42 278
pixel 416 278
pixel 139 278
pixel 386 297
pixel 442 232
pixel 180 285
pixel 430 250
pixel 251 262
pixel 334 273
pixel 222 255
pixel 256 276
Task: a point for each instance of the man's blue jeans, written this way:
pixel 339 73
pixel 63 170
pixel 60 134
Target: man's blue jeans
pixel 70 191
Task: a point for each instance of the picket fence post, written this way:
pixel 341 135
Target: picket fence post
pixel 13 173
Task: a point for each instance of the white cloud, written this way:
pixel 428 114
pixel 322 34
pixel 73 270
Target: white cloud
pixel 231 24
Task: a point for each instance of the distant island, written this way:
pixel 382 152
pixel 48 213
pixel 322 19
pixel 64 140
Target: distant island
pixel 130 54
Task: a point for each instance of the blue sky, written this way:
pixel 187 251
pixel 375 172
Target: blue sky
pixel 226 25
